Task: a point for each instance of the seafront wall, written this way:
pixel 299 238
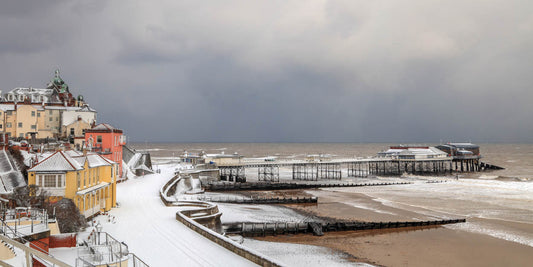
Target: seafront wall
pixel 202 211
pixel 225 242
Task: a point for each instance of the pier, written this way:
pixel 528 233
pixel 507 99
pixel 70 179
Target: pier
pixel 397 160
pixel 335 169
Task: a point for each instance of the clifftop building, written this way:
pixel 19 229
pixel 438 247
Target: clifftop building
pixel 52 112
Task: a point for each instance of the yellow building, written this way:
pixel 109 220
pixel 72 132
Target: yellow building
pixel 89 180
pixel 25 120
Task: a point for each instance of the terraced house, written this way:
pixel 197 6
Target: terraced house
pixel 88 179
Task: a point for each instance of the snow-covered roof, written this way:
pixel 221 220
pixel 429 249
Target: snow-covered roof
pixel 70 160
pixel 59 161
pixel 10 177
pixel 6 107
pixel 108 160
pixel 95 160
pixel 413 151
pixel 84 108
pixel 92 188
pixel 73 153
pixel 31 91
pixel 103 127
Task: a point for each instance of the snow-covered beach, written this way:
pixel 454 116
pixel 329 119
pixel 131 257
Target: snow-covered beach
pixel 497 213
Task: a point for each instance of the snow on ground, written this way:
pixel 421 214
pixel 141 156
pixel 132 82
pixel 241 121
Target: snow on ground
pixel 151 231
pixel 258 213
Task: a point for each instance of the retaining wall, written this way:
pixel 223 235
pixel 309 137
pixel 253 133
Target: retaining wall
pixel 211 211
pixel 226 242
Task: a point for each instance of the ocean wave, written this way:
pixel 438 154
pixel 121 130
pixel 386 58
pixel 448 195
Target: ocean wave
pixel 517 237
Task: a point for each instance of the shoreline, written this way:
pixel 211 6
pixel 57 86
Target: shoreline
pixel 433 245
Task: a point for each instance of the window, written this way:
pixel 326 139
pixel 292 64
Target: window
pixel 71 131
pixel 9 112
pixel 8 125
pixel 50 112
pixel 84 178
pixel 50 119
pixel 20 124
pixel 0 126
pixel 33 113
pixel 57 118
pixel 21 135
pixel 38 114
pixel 99 139
pixel 51 180
pixel 78 179
pixel 98 175
pixel 34 126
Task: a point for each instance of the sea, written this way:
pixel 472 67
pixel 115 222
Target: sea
pixel 495 203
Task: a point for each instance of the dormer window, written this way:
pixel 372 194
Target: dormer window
pixel 10 97
pixel 21 98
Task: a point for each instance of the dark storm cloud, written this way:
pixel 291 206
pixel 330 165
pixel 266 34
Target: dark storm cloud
pixel 355 71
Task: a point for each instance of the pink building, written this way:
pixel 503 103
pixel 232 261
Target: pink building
pixel 107 141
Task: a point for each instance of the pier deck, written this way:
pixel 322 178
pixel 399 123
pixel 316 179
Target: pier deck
pixel 354 167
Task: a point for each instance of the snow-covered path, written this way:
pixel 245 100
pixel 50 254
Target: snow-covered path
pixel 151 231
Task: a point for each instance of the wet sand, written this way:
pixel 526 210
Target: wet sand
pixel 429 246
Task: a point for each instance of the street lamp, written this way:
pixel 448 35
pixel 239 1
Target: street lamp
pixel 98 230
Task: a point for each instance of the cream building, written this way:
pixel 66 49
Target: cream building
pixel 44 113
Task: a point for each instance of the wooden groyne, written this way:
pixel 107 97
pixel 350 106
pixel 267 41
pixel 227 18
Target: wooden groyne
pixel 259 200
pixel 318 228
pixel 286 186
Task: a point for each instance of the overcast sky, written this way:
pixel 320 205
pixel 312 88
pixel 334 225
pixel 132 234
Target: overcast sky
pixel 284 71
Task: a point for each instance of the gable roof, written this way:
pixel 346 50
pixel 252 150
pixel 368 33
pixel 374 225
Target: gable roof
pixel 94 160
pixel 59 161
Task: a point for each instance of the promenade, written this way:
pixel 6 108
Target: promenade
pixel 151 231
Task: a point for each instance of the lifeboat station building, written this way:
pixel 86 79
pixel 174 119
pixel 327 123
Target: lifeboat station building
pixel 87 179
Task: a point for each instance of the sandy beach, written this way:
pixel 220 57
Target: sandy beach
pixel 429 246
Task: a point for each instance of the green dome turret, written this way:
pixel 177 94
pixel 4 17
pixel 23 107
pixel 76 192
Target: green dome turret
pixel 64 88
pixel 57 81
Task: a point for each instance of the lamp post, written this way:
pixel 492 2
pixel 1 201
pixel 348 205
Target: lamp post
pixel 98 230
